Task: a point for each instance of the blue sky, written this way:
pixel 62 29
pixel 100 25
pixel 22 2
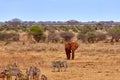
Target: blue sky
pixel 60 10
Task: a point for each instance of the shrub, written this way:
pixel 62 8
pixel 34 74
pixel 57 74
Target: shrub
pixel 67 35
pixel 1 28
pixel 86 29
pixel 74 29
pixel 100 36
pixel 64 28
pixel 115 33
pixel 6 27
pixel 82 37
pixel 87 34
pixel 37 33
pixel 91 37
pixel 53 37
pixel 9 36
pixel 91 34
pixel 15 37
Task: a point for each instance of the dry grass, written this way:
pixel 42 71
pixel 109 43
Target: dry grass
pixel 99 61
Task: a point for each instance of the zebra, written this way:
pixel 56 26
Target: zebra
pixel 3 75
pixel 59 65
pixel 43 77
pixel 12 70
pixel 33 73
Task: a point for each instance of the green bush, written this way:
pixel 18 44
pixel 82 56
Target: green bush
pixel 82 37
pixel 91 37
pixel 87 29
pixel 87 33
pixel 6 27
pixel 115 33
pixel 74 29
pixel 37 33
pixel 9 36
pixel 91 34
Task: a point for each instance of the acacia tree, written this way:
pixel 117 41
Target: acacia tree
pixel 14 22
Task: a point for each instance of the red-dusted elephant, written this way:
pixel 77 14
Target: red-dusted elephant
pixel 70 47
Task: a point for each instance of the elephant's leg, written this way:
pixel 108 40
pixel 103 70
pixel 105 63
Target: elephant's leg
pixel 68 53
pixel 69 56
pixel 73 54
pixel 3 78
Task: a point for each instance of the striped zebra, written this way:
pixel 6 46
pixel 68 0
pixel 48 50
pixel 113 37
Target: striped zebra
pixel 33 73
pixel 59 65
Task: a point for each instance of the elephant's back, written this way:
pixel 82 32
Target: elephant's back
pixel 74 45
pixel 71 45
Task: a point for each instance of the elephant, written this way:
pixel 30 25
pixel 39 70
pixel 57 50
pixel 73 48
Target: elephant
pixel 70 47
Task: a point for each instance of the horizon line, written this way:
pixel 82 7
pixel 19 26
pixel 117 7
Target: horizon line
pixel 62 20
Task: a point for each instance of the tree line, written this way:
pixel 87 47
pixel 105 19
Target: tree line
pixel 85 32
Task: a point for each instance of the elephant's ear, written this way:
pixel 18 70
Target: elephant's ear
pixel 74 46
pixel 67 46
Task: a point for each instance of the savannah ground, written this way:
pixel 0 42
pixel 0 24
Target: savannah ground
pixel 98 61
